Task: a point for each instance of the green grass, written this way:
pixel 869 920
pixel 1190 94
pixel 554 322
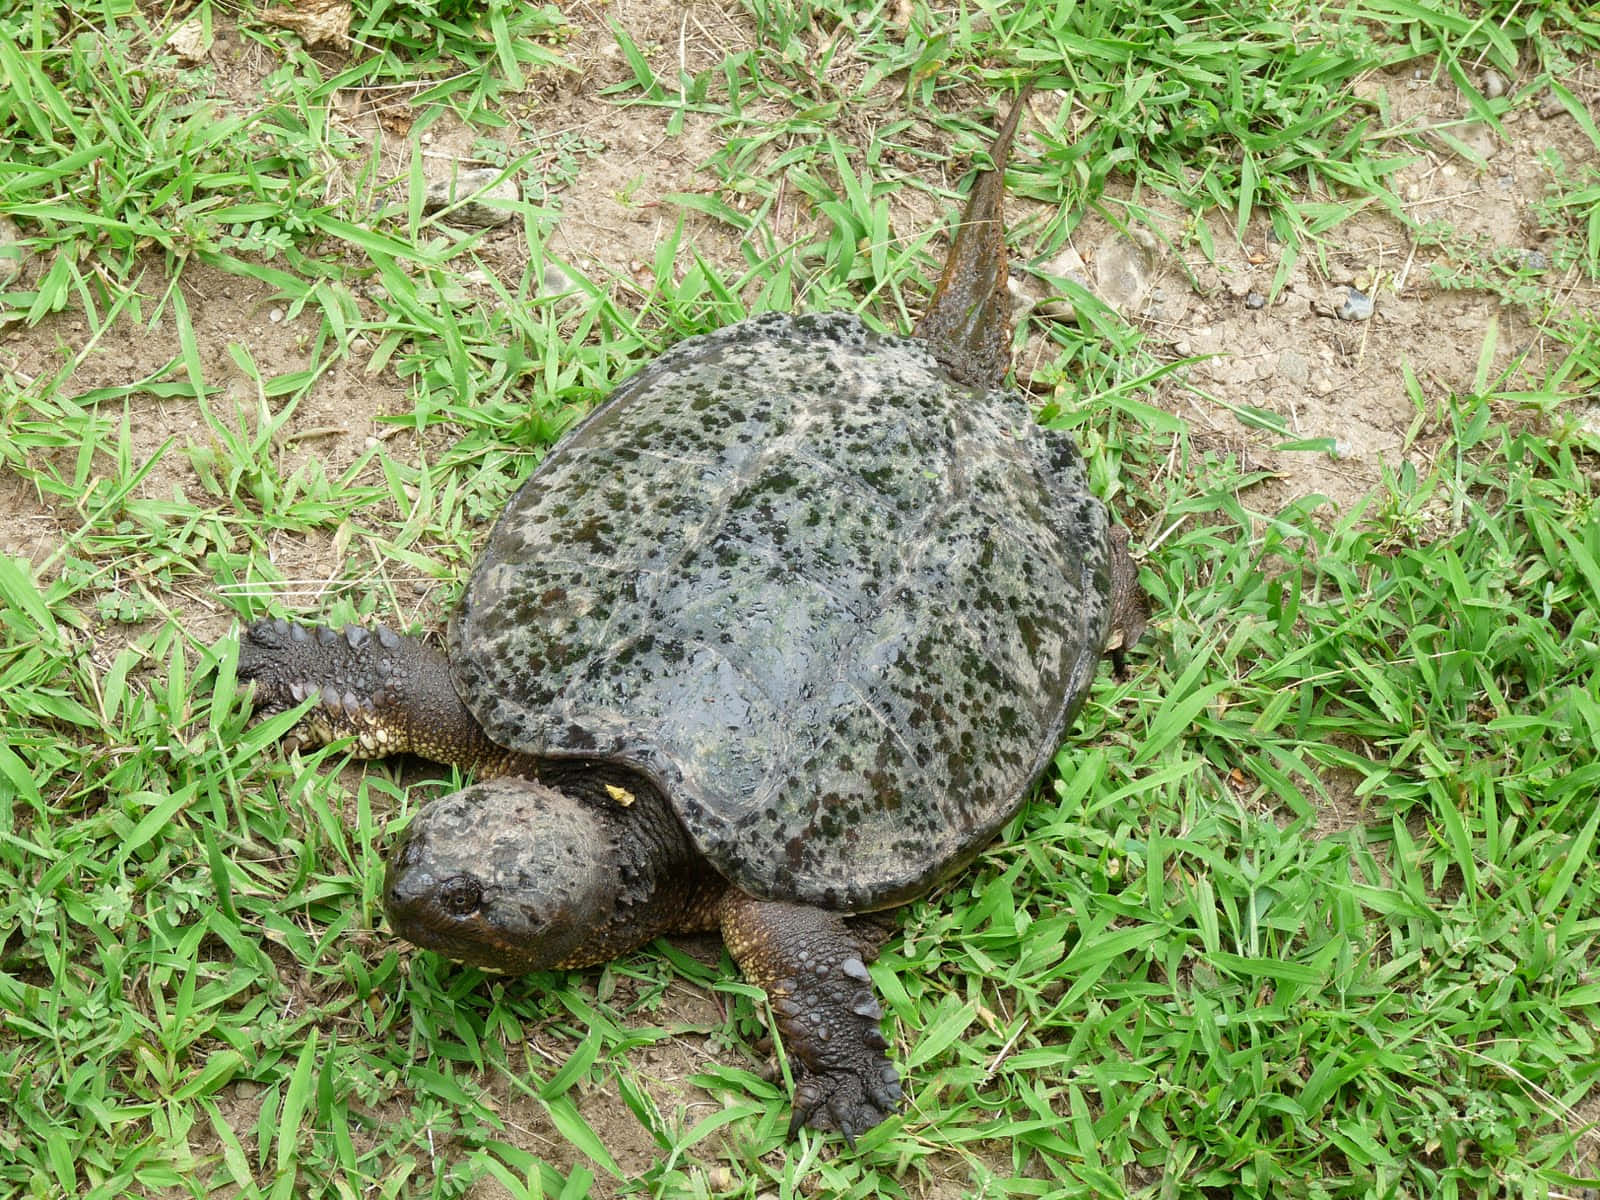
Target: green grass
pixel 1305 911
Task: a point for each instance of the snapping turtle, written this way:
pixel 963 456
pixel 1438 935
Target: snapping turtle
pixel 781 634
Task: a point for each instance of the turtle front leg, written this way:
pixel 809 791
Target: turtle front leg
pixel 811 966
pixel 390 692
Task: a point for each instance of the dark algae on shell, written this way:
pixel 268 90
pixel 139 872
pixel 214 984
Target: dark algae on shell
pixel 782 633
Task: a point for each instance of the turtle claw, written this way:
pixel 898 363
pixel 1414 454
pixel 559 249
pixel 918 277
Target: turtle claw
pixel 849 1102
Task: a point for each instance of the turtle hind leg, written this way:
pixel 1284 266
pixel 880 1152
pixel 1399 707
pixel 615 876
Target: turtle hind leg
pixel 810 963
pixel 390 692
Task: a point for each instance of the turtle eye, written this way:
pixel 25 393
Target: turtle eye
pixel 460 895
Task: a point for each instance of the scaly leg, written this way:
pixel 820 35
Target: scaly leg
pixel 391 692
pixel 811 966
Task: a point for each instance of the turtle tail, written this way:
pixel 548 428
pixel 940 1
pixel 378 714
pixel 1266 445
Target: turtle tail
pixel 968 322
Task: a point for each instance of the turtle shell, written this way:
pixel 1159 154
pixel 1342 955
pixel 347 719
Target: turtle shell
pixel 837 606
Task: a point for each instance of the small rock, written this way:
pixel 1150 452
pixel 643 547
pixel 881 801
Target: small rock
pixel 12 250
pixel 1551 107
pixel 1292 365
pixel 719 1178
pixel 1041 287
pixel 1182 348
pixel 1493 84
pixel 1322 385
pixel 1255 300
pixel 553 281
pixel 275 316
pixel 1122 269
pixel 1479 140
pixel 1238 286
pixel 1356 306
pixel 189 41
pixel 323 23
pixel 483 210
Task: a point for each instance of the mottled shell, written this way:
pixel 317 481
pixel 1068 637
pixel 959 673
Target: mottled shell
pixel 839 607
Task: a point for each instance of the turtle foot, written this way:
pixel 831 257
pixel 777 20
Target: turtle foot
pixel 837 1019
pixel 811 965
pixel 289 662
pixel 389 692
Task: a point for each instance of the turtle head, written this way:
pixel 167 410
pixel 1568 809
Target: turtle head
pixel 509 875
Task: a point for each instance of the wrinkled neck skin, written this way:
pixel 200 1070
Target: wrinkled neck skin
pixel 568 870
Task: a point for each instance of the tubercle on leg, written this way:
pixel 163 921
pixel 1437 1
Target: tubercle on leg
pixel 390 692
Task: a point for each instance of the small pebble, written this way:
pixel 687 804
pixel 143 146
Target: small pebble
pixel 555 281
pixel 1255 300
pixel 1551 107
pixel 1322 385
pixel 12 250
pixel 1357 306
pixel 1292 365
pixel 483 210
pixel 275 315
pixel 1494 84
pixel 1123 267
